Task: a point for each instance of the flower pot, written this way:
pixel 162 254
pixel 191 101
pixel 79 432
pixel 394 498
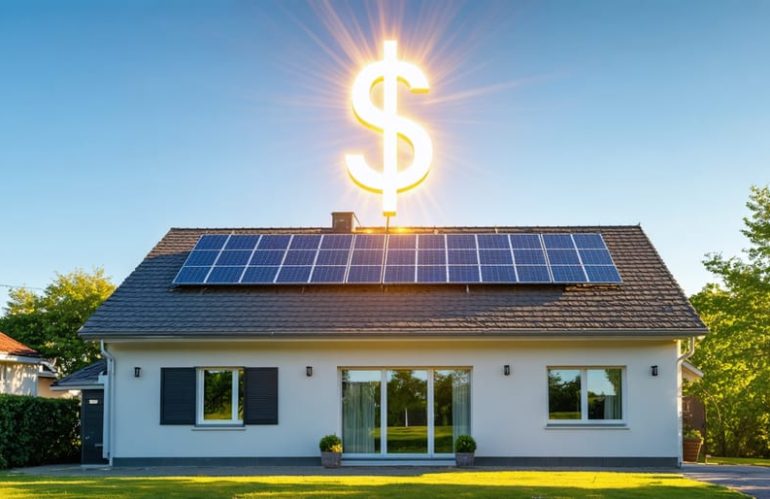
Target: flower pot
pixel 331 459
pixel 691 449
pixel 464 459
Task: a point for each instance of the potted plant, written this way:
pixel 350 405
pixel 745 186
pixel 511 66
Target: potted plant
pixel 691 444
pixel 331 451
pixel 465 447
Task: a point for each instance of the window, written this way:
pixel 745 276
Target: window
pixel 2 373
pixel 220 395
pixel 585 394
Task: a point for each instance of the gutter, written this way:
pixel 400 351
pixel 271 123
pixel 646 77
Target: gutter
pixel 107 432
pixel 395 332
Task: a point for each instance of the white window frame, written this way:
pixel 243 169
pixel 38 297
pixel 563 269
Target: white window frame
pixel 3 373
pixel 199 398
pixel 584 421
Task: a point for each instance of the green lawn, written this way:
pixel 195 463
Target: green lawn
pixel 754 461
pixel 556 484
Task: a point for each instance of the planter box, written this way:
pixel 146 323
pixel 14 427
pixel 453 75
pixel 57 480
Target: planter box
pixel 464 459
pixel 691 449
pixel 331 459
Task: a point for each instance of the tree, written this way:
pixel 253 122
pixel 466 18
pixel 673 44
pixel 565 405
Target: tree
pixel 49 322
pixel 735 355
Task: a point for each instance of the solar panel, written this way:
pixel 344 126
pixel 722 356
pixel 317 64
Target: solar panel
pixel 493 258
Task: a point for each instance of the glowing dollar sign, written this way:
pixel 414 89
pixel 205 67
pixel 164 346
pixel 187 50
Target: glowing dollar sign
pixel 391 180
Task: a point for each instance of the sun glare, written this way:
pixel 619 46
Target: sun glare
pixel 351 37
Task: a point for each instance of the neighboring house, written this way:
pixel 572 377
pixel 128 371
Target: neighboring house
pixel 549 345
pixel 23 371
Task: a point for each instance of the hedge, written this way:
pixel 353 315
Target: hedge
pixel 35 430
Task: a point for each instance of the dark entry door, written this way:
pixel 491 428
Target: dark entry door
pixel 91 426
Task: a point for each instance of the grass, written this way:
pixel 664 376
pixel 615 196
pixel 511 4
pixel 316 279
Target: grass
pixel 752 461
pixel 454 484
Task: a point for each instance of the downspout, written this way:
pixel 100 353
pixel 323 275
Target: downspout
pixel 108 403
pixel 679 360
pixel 689 353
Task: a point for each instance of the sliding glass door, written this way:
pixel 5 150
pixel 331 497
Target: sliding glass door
pixel 361 411
pixel 451 408
pixel 407 411
pixel 423 411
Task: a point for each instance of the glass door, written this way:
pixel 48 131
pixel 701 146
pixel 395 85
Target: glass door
pixel 407 411
pixel 404 412
pixel 361 411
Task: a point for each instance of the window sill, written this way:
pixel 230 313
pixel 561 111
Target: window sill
pixel 219 427
pixel 586 426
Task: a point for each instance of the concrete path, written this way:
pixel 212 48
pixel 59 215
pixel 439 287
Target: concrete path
pixel 751 480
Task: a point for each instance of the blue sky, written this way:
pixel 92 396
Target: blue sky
pixel 119 120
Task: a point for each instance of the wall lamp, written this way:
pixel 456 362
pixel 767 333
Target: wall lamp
pixel 654 370
pixel 507 370
pixel 309 371
pixel 137 372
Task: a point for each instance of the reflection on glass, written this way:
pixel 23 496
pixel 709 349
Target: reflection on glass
pixel 564 394
pixel 604 393
pixel 451 408
pixel 407 411
pixel 241 392
pixel 361 412
pixel 217 394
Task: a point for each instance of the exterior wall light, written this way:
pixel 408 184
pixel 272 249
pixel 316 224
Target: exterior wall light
pixel 507 370
pixel 654 370
pixel 137 372
pixel 309 371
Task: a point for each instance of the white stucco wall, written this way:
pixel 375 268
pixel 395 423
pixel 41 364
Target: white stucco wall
pixel 508 413
pixel 18 378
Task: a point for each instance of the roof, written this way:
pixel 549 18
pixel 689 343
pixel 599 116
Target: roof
pixel 691 370
pixel 84 378
pixel 10 346
pixel 649 302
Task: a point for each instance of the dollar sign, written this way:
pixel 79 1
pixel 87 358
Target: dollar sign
pixel 386 121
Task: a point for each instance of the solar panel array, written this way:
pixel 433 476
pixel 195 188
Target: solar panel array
pixel 266 259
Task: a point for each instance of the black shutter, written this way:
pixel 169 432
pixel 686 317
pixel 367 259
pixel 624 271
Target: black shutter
pixel 261 403
pixel 177 395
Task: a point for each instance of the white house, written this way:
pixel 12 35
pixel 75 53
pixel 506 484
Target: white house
pixel 23 371
pixel 549 345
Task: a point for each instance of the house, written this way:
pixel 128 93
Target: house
pixel 549 345
pixel 23 371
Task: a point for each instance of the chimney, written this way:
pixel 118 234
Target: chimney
pixel 343 221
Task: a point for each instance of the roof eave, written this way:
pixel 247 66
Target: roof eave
pixel 402 333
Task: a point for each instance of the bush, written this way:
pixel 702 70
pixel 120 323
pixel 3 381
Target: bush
pixel 330 443
pixel 692 434
pixel 465 443
pixel 36 430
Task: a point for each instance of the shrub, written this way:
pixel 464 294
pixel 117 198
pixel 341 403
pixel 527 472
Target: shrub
pixel 330 443
pixel 692 434
pixel 36 430
pixel 465 443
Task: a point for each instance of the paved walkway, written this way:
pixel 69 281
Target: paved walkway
pixel 751 480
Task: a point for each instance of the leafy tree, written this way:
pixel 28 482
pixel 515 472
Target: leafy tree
pixel 735 355
pixel 49 322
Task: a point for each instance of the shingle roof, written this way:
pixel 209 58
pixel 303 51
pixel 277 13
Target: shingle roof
pixel 10 346
pixel 87 376
pixel 648 302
